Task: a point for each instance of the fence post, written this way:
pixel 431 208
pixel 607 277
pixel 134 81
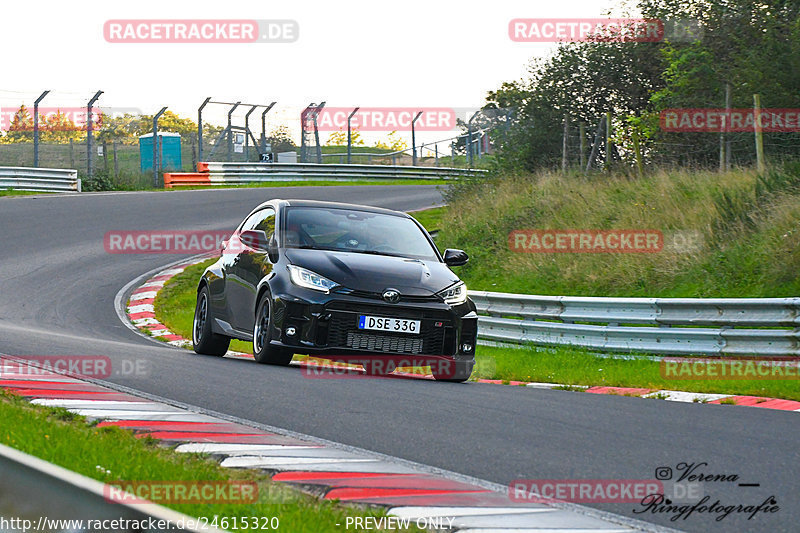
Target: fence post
pixel 582 133
pixel 105 157
pixel 637 152
pixel 757 128
pixel 156 151
pixel 89 169
pixel 414 140
pixel 36 128
pixel 349 135
pixel 564 144
pixel 116 163
pixel 200 128
pixel 71 155
pixel 608 138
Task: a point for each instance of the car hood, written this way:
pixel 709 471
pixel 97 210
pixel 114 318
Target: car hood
pixel 375 273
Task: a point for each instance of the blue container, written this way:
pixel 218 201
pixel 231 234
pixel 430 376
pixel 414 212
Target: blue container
pixel 170 144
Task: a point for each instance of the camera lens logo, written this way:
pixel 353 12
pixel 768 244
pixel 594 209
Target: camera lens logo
pixel 663 473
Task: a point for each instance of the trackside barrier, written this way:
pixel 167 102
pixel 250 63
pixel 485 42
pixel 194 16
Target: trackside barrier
pixel 39 179
pixel 668 326
pixel 210 173
pixel 33 489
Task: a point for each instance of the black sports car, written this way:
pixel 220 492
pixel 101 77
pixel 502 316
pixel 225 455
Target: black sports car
pixel 342 282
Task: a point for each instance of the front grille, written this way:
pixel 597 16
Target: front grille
pixel 384 343
pixel 343 332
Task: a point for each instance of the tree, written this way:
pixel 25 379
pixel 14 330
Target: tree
pixel 393 143
pixel 21 128
pixel 59 128
pixel 339 138
pixel 281 140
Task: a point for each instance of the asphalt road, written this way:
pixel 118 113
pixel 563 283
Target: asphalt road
pixel 57 286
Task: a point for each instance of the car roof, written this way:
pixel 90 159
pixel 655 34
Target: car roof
pixel 333 205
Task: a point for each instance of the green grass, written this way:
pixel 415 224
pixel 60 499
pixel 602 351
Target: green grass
pixel 175 303
pixel 326 183
pixel 746 231
pixel 12 192
pixel 574 366
pixel 110 454
pixel 431 219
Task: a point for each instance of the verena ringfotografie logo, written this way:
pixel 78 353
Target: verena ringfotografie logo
pixel 583 490
pixel 181 492
pixel 586 241
pixel 388 119
pixel 732 120
pixel 200 31
pixel 739 368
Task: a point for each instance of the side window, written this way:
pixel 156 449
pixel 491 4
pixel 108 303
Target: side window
pixel 261 220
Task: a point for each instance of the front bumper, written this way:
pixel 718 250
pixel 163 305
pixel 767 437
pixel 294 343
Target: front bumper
pixel 327 326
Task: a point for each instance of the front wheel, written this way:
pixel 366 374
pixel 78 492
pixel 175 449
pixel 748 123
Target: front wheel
pixel 263 351
pixel 204 340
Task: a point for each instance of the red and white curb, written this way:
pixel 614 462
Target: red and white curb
pixel 142 314
pixel 405 489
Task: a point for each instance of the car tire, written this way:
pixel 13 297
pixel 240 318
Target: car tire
pixel 453 372
pixel 263 351
pixel 204 340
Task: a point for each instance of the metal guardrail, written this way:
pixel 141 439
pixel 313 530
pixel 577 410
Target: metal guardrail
pixel 39 179
pixel 669 326
pixel 240 173
pixel 45 494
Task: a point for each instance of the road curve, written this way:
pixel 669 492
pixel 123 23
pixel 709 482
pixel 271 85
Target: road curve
pixel 57 293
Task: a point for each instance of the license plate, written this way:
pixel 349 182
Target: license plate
pixel 398 325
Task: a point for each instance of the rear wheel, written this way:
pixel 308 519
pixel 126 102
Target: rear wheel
pixel 204 340
pixel 263 351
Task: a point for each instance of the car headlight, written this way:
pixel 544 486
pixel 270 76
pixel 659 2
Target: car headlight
pixel 457 294
pixel 310 280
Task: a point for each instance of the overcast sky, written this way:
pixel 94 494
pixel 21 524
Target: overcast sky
pixel 407 53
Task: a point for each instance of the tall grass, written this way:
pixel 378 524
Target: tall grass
pixel 725 234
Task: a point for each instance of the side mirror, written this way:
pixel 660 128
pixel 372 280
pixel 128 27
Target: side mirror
pixel 255 239
pixel 453 257
pixel 272 249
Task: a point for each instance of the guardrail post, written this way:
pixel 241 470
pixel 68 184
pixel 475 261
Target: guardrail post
pixel 36 128
pixel 89 166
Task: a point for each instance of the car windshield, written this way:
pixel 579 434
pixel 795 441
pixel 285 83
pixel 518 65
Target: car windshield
pixel 349 230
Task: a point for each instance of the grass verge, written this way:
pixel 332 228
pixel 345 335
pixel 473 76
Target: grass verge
pixel 12 192
pixel 574 366
pixel 110 454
